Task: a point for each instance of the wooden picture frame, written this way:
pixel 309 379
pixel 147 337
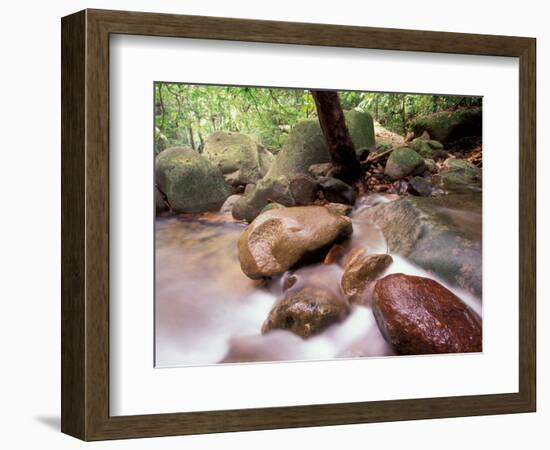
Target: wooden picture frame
pixel 85 224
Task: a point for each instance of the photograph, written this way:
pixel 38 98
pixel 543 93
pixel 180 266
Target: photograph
pixel 299 224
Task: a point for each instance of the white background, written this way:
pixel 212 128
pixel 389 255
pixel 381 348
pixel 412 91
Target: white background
pixel 30 235
pixel 138 388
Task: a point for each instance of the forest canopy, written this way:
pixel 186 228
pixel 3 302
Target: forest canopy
pixel 186 114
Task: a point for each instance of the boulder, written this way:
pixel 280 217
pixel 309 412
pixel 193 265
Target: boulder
pixel 280 238
pixel 427 148
pixel 459 174
pixel 418 315
pixel 360 270
pixel 229 203
pixel 449 126
pixel 191 183
pixel 160 203
pixel 306 312
pixel 339 208
pixel 266 191
pixel 278 345
pixel 241 159
pixel 271 206
pixel 404 161
pixel 304 148
pixel 420 186
pixel 336 191
pixel 303 189
pixel 430 165
pixel 361 128
pixel 306 144
pixel 323 170
pixel 439 234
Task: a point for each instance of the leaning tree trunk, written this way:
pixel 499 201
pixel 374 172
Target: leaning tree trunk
pixel 335 131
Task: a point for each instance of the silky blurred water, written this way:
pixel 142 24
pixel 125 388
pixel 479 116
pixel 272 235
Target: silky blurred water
pixel 207 311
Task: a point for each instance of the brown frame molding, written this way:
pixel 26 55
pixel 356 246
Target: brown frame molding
pixel 85 224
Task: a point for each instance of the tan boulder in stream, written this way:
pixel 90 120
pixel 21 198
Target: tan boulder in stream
pixel 278 239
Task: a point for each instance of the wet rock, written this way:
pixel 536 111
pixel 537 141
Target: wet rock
pixel 288 281
pixel 420 186
pixel 361 270
pixel 334 254
pixel 339 208
pixel 303 189
pixel 191 183
pixel 249 188
pixel 278 239
pixel 306 312
pixel 449 126
pixel 439 234
pixel 336 191
pixel 227 206
pixel 241 159
pixel 420 316
pixel 278 345
pixel 404 161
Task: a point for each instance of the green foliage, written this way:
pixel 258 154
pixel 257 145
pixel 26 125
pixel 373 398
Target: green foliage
pixel 186 114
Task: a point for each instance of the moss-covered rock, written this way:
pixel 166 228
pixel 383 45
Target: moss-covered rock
pixel 459 174
pixel 404 161
pixel 267 190
pixel 361 128
pixel 241 159
pixel 191 183
pixel 427 148
pixel 160 204
pixel 431 165
pixel 439 234
pixel 304 148
pixel 449 126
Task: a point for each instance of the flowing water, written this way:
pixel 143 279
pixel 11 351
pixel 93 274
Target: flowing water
pixel 207 311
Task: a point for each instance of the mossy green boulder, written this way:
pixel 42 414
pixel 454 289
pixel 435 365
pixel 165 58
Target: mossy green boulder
pixel 449 126
pixel 240 159
pixel 190 182
pixel 306 144
pixel 404 161
pixel 304 148
pixel 458 174
pixel 427 148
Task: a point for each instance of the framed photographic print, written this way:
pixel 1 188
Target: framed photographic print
pixel 271 224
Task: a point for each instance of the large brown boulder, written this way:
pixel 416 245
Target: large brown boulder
pixel 420 316
pixel 278 239
pixel 306 312
pixel 361 270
